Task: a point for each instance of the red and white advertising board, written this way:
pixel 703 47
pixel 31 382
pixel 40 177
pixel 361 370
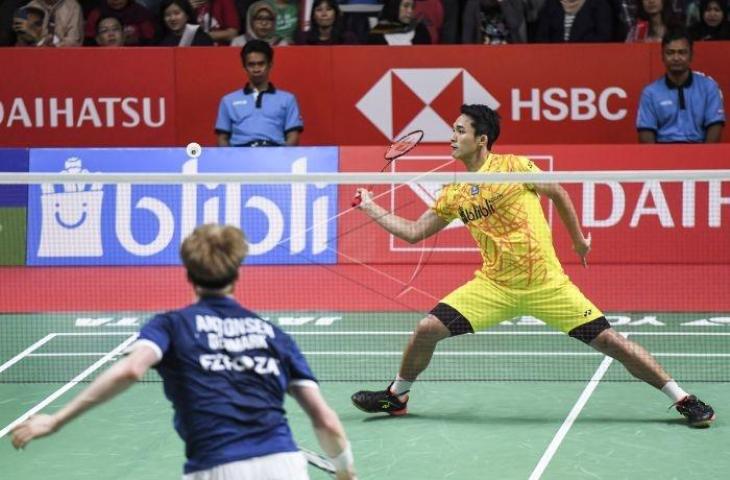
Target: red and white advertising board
pixel 78 97
pixel 647 222
pixel 546 94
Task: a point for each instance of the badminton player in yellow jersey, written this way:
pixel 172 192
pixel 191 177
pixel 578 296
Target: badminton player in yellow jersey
pixel 520 274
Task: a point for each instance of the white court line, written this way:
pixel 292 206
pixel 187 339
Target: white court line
pixel 496 332
pixel 572 416
pixel 69 354
pixel 710 334
pixel 93 334
pixel 404 332
pixel 25 352
pixel 78 378
pixel 519 354
pixel 408 332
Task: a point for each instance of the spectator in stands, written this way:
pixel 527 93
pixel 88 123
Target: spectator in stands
pixel 327 27
pixel 287 19
pixel 261 19
pixel 109 32
pixel 63 22
pixel 242 7
pixel 713 23
pixel 259 115
pixel 218 18
pixel 683 106
pixel 28 26
pixel 655 17
pixel 451 29
pixel 431 14
pixel 8 8
pixel 624 17
pixel 494 22
pixel 575 21
pixel 396 26
pixel 179 26
pixel 138 22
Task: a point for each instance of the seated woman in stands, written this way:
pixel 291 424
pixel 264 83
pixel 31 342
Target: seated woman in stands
pixel 180 26
pixel 655 17
pixel 326 26
pixel 397 26
pixel 713 23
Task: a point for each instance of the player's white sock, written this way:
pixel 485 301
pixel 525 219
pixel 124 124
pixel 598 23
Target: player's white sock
pixel 673 391
pixel 400 386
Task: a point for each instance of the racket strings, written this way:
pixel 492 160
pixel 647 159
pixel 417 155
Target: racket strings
pixel 403 145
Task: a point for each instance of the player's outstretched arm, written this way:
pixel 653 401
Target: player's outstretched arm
pixel 110 383
pixel 566 210
pixel 412 231
pixel 328 428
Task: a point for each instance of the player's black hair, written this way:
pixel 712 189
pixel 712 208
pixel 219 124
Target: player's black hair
pixel 677 34
pixel 257 46
pixel 484 120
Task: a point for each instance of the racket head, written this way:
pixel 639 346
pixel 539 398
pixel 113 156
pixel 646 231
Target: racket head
pixel 403 145
pixel 318 461
pixel 397 149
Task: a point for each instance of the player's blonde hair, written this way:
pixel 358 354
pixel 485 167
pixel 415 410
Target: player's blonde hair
pixel 212 255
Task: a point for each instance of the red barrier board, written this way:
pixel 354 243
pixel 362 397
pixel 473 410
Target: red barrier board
pixel 78 97
pixel 631 223
pixel 546 94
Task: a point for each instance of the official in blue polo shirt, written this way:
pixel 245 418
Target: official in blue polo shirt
pixel 259 115
pixel 683 106
pixel 225 371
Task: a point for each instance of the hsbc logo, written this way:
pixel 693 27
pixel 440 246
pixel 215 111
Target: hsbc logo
pixel 426 98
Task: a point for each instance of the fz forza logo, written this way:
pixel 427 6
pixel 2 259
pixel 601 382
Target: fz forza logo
pixel 427 99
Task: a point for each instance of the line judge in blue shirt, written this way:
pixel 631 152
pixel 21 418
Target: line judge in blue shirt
pixel 226 371
pixel 259 115
pixel 683 106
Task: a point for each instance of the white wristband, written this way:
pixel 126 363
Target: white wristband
pixel 345 460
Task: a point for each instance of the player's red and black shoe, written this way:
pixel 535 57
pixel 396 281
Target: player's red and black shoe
pixel 697 412
pixel 380 401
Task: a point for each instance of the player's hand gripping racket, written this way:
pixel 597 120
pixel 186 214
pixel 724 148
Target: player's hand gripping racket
pixel 318 461
pixel 397 149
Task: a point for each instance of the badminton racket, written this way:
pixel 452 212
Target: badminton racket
pixel 397 149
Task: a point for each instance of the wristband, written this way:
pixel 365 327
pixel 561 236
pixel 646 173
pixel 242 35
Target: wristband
pixel 345 460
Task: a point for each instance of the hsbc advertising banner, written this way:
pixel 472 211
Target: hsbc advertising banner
pixel 630 223
pixel 545 94
pixel 542 98
pixel 90 223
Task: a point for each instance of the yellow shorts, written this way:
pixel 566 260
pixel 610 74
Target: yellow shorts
pixel 559 304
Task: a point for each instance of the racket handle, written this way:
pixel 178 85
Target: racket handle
pixel 357 200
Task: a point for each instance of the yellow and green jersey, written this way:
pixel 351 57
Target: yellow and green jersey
pixel 508 224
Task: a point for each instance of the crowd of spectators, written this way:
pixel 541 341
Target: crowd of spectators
pixel 332 22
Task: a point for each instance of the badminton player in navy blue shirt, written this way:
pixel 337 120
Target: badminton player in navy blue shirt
pixel 226 372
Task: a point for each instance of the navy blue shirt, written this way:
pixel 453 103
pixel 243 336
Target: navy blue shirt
pixel 249 116
pixel 226 372
pixel 681 113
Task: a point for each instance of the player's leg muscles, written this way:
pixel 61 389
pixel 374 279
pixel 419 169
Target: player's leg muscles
pixel 421 344
pixel 637 360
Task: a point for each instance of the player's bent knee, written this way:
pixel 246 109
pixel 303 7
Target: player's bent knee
pixel 612 344
pixel 451 319
pixel 430 328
